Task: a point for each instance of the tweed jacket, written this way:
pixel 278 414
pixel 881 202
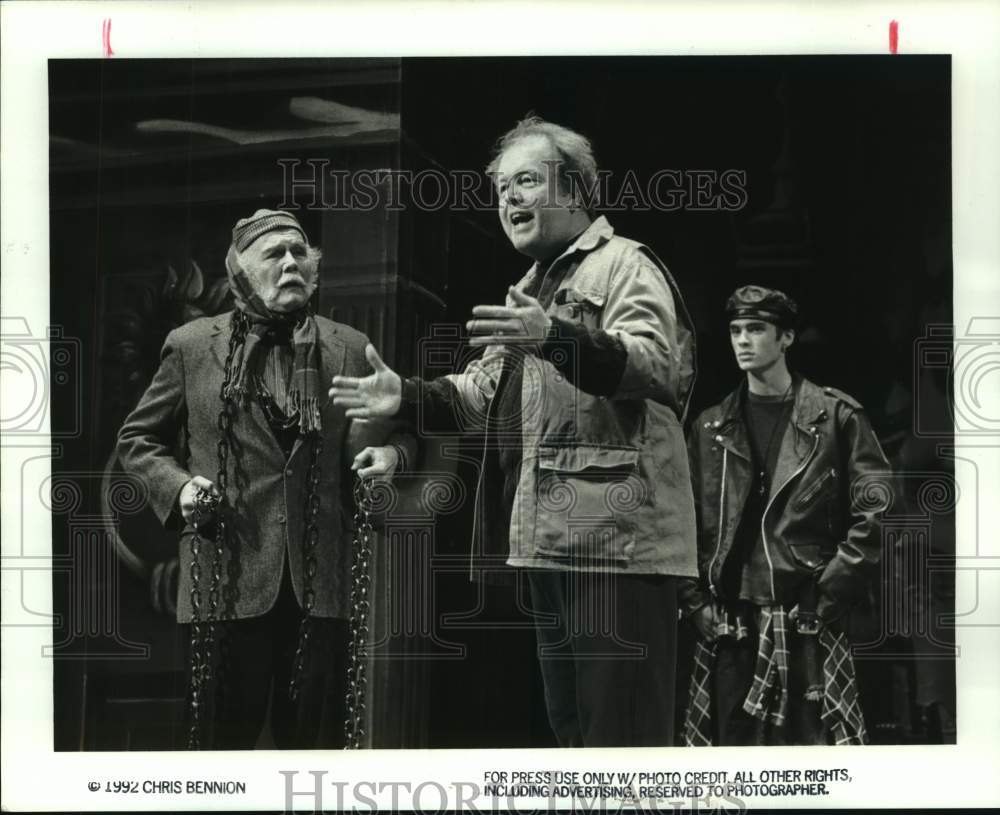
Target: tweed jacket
pixel 173 434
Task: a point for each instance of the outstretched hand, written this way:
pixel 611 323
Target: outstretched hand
pixel 525 322
pixel 377 395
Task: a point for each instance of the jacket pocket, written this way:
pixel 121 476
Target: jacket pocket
pixel 583 308
pixel 587 497
pixel 817 487
pixel 807 554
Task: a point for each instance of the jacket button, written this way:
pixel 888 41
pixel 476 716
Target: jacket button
pixel 281 519
pixel 289 472
pixel 719 439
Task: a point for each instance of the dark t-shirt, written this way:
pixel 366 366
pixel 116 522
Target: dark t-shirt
pixel 766 419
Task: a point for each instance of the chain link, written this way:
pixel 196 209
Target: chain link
pixel 203 639
pixel 225 424
pixel 357 679
pixel 195 697
pixel 309 542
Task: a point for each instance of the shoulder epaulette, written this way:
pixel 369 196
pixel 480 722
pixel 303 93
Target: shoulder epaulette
pixel 843 397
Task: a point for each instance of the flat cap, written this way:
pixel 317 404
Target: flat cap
pixel 763 304
pixel 247 230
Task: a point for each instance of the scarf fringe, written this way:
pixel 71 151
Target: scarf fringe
pixel 307 409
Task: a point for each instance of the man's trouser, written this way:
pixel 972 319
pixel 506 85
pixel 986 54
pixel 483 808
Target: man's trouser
pixel 607 649
pixel 253 668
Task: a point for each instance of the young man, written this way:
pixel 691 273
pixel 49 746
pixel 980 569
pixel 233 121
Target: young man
pixel 261 488
pixel 584 485
pixel 786 545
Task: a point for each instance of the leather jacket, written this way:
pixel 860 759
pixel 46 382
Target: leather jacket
pixel 821 519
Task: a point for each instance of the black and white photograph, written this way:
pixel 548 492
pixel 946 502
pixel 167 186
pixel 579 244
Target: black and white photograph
pixel 514 407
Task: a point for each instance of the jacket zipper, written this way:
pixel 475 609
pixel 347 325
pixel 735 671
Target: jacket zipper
pixel 763 518
pixel 817 486
pixel 722 515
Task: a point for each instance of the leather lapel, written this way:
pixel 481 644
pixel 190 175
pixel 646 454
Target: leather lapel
pixel 788 456
pixel 732 433
pixel 796 443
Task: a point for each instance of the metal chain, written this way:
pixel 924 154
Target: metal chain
pixel 202 640
pixel 309 541
pixel 357 680
pixel 194 692
pixel 225 426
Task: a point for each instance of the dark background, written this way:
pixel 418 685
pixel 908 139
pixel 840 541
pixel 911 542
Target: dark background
pixel 849 211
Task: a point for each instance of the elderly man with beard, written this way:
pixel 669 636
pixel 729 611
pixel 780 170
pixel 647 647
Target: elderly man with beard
pixel 240 448
pixel 584 485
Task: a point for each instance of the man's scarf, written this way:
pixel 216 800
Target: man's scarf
pixel 304 392
pixel 768 696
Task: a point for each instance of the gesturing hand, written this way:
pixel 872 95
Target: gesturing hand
pixel 376 395
pixel 525 322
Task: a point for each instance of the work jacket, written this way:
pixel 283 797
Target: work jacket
pixel 604 482
pixel 820 522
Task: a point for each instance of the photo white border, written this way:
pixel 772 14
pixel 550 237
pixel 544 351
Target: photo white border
pixel 965 774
